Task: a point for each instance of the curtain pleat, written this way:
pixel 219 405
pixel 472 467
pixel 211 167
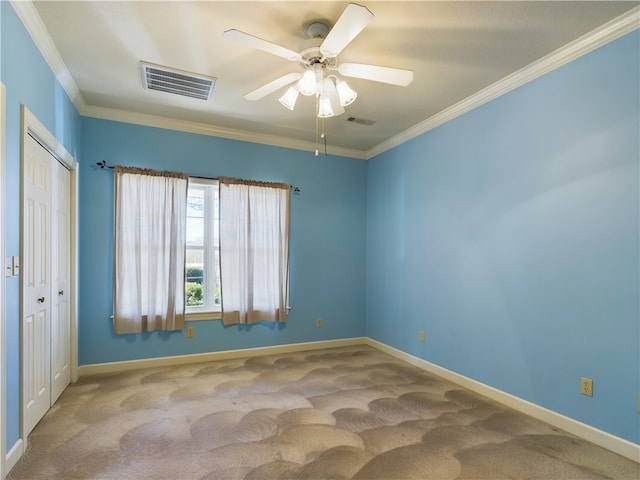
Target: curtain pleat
pixel 149 257
pixel 254 251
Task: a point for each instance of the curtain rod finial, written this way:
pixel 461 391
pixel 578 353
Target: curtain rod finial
pixel 103 164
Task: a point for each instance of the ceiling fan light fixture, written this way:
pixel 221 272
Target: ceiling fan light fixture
pixel 307 84
pixel 289 98
pixel 317 78
pixel 345 92
pixel 324 107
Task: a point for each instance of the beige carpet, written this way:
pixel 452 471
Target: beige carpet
pixel 347 413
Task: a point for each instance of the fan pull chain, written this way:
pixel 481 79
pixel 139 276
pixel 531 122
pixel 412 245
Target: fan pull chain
pixel 323 136
pixel 317 111
pixel 320 134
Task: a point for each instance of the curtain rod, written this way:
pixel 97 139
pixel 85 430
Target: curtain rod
pixel 103 165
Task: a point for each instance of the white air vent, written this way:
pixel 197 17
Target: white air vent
pixel 178 82
pixel 361 121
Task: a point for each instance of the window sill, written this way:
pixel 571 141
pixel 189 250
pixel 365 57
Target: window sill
pixel 197 316
pixel 211 315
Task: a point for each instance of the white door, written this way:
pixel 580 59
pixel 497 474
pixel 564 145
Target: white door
pixel 46 270
pixel 36 273
pixel 60 282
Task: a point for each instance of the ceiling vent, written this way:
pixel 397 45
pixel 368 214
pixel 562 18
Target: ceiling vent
pixel 361 121
pixel 178 82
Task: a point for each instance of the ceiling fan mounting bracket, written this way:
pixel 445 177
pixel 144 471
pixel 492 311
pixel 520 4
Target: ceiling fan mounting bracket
pixel 317 30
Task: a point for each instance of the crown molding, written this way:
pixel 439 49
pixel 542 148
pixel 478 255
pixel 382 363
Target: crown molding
pixel 606 33
pixel 599 37
pixel 33 24
pixel 210 130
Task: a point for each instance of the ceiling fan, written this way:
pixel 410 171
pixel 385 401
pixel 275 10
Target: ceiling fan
pixel 321 64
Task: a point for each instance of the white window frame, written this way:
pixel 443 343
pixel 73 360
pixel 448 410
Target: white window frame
pixel 210 310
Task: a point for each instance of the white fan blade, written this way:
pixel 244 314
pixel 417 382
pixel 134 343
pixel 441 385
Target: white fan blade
pixel 394 76
pixel 349 25
pixel 255 42
pixel 271 87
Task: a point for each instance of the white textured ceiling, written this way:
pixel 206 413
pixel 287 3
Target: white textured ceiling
pixel 454 48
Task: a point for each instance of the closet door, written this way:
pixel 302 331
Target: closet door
pixel 36 299
pixel 46 273
pixel 60 281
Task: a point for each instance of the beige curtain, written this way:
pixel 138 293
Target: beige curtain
pixel 149 257
pixel 254 251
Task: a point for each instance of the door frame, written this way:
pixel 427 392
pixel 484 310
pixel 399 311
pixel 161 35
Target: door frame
pixel 33 127
pixel 3 349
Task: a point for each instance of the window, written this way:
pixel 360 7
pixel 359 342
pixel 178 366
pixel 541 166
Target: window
pixel 202 286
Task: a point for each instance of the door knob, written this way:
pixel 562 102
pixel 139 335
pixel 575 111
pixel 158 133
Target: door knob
pixel 60 292
pixel 41 300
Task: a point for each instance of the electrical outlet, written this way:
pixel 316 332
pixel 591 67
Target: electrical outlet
pixel 319 322
pixel 422 335
pixel 586 386
pixel 189 332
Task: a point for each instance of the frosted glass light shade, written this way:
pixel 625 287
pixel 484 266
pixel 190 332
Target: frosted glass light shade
pixel 307 84
pixel 289 98
pixel 324 107
pixel 345 92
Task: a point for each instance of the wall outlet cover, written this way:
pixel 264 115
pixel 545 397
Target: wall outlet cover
pixel 586 386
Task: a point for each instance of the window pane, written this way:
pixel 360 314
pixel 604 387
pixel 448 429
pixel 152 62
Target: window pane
pixel 195 276
pixel 195 202
pixel 195 231
pixel 202 283
pixel 195 263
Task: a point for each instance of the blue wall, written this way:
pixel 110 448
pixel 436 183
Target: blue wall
pixel 28 81
pixel 327 239
pixel 510 236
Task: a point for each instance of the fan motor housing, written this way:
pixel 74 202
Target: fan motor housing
pixel 311 56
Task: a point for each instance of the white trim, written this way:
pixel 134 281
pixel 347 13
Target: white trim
pixel 597 38
pixel 74 236
pixel 202 316
pixel 3 308
pixel 15 454
pixel 32 126
pixel 112 367
pixel 587 432
pixel 211 130
pixel 33 24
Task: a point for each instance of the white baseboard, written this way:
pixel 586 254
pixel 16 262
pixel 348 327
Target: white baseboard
pixel 14 455
pixel 111 367
pixel 598 437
